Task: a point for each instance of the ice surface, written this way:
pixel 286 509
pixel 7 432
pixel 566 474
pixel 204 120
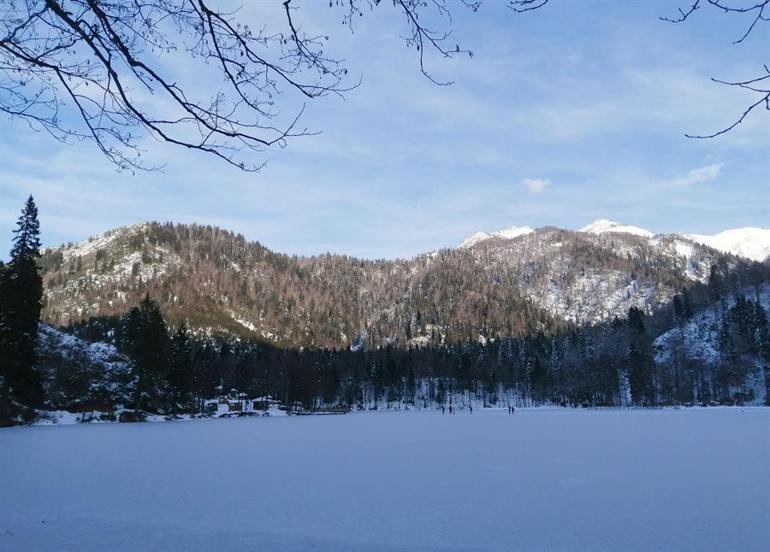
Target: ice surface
pixel 545 479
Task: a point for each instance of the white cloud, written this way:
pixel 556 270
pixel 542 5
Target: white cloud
pixel 697 176
pixel 536 185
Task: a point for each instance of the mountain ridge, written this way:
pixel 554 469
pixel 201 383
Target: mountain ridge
pixel 748 242
pixel 215 280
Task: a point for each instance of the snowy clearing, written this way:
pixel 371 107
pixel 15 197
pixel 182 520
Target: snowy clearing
pixel 543 479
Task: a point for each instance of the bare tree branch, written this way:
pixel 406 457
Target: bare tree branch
pixel 753 85
pixel 757 11
pixel 682 13
pixel 521 6
pixel 97 61
pixel 92 70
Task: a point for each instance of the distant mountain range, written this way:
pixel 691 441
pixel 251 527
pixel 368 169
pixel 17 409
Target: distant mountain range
pixel 507 283
pixel 750 243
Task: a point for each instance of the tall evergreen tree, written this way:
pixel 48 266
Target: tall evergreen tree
pixel 21 299
pixel 180 376
pixel 4 351
pixel 638 359
pixel 147 343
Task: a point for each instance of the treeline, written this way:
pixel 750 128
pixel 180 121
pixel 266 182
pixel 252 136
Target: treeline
pixel 608 365
pixel 157 365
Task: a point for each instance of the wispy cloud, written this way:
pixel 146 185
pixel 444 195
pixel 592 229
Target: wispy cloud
pixel 536 185
pixel 706 173
pixel 403 166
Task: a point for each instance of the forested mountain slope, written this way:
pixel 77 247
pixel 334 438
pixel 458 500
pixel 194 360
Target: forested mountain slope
pixel 215 281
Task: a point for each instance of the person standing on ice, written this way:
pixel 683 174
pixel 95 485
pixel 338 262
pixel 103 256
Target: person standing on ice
pixel 442 409
pixel 471 407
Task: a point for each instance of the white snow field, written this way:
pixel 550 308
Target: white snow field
pixel 543 479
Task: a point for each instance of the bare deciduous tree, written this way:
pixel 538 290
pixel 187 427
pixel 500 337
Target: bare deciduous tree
pixel 104 59
pixel 97 70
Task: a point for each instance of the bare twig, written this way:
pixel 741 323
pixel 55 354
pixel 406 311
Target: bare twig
pixel 757 10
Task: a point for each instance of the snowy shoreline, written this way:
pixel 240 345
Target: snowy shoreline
pixel 65 418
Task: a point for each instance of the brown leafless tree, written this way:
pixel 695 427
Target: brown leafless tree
pixel 94 70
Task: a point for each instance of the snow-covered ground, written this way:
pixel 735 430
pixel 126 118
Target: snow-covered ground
pixel 547 479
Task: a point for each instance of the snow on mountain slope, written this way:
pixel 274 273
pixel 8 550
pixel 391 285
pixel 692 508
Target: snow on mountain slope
pixel 513 232
pixel 506 234
pixel 751 243
pixel 600 226
pixel 580 278
pixel 69 348
pixel 102 241
pixel 603 226
pixel 74 370
pixel 219 282
pixel 695 259
pixel 698 340
pixel 470 241
pixel 596 296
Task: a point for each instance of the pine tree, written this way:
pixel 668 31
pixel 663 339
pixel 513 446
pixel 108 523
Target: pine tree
pixel 638 359
pixel 4 348
pixel 21 300
pixel 180 370
pixel 147 343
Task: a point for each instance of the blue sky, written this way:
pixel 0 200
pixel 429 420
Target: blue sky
pixel 571 113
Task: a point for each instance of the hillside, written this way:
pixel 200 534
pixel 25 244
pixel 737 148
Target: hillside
pixel 505 284
pixel 722 345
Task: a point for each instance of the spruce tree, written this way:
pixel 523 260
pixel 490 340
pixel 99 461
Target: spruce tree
pixel 21 300
pixel 180 368
pixel 640 374
pixel 4 351
pixel 146 340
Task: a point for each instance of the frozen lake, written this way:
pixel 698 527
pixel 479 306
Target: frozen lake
pixel 540 480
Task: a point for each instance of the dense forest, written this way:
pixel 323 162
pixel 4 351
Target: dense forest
pixel 150 362
pixel 217 281
pixel 611 364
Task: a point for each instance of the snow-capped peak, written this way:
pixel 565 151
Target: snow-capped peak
pixel 470 241
pixel 513 232
pixel 603 226
pixel 751 243
pixel 506 234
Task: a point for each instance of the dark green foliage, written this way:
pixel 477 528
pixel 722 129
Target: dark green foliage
pixel 21 298
pixel 593 366
pixel 180 376
pixel 639 359
pixel 79 378
pixel 744 338
pixel 147 342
